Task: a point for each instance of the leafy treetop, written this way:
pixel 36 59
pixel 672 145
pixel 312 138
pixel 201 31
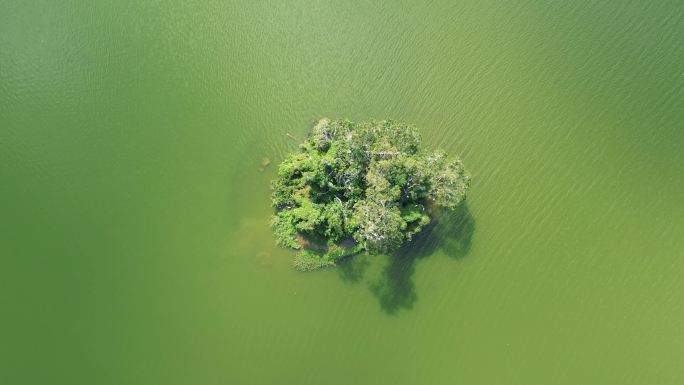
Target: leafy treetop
pixel 357 187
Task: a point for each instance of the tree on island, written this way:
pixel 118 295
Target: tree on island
pixel 358 187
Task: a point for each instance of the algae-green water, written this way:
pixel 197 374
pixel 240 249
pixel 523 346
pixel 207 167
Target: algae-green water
pixel 134 237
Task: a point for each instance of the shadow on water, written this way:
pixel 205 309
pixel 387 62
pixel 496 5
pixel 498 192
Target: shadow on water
pixel 449 231
pixel 353 269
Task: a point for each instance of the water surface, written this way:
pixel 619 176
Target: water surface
pixel 134 239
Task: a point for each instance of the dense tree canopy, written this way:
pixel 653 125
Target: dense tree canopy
pixel 360 186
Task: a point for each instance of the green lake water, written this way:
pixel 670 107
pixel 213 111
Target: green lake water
pixel 134 238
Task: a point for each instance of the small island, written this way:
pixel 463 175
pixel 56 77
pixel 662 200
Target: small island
pixel 358 187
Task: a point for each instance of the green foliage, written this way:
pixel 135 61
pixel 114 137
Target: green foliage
pixel 356 187
pixel 307 260
pixel 284 227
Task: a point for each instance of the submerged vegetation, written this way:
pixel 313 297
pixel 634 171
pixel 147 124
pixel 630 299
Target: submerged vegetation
pixel 358 187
